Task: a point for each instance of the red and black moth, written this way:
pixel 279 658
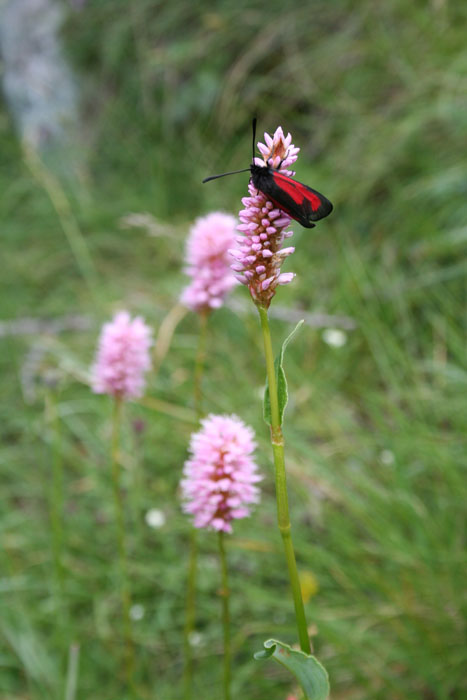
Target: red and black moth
pixel 302 203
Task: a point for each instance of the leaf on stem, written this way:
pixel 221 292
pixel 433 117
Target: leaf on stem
pixel 308 671
pixel 282 393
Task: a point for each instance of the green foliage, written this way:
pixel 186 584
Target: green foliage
pixel 307 670
pixel 282 393
pixel 374 94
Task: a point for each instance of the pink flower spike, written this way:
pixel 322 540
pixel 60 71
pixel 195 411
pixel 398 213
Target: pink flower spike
pixel 208 261
pixel 263 225
pixel 122 357
pixel 219 478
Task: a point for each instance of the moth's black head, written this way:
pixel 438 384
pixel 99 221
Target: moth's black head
pixel 258 169
pixel 259 175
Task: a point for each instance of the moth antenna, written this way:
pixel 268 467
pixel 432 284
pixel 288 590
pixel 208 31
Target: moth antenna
pixel 254 138
pixel 233 172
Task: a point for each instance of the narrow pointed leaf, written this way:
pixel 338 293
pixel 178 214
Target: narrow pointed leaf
pixel 308 671
pixel 282 393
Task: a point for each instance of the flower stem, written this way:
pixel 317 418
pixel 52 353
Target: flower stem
pixel 283 518
pixel 56 493
pixel 72 672
pixel 199 363
pixel 225 616
pixel 122 556
pixel 190 605
pixel 190 613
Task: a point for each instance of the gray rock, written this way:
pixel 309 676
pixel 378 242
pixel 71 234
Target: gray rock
pixel 38 83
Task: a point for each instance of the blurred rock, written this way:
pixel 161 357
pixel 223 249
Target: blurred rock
pixel 37 81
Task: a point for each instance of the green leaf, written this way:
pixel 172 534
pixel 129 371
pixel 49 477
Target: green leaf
pixel 308 671
pixel 282 393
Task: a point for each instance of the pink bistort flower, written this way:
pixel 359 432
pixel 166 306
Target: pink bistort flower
pixel 220 475
pixel 258 254
pixel 208 261
pixel 122 357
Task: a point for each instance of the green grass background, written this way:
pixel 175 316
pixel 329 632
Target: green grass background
pixel 375 94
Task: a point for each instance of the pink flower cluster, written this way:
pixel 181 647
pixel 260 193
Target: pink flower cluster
pixel 207 256
pixel 122 357
pixel 258 254
pixel 220 476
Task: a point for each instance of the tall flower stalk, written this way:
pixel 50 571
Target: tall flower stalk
pixel 190 601
pixel 121 539
pixel 283 516
pixel 258 256
pixel 56 492
pixel 207 261
pixel 200 360
pixel 121 362
pixel 218 487
pixel 225 595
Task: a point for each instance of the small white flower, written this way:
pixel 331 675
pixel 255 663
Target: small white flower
pixel 387 457
pixel 334 337
pixel 136 612
pixel 195 639
pixel 155 518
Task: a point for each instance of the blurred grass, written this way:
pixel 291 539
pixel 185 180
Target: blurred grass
pixel 375 95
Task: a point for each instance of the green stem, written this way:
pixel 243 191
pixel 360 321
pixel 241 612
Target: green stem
pixel 56 493
pixel 190 605
pixel 72 672
pixel 283 517
pixel 120 525
pixel 225 616
pixel 190 613
pixel 199 364
pixel 137 484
